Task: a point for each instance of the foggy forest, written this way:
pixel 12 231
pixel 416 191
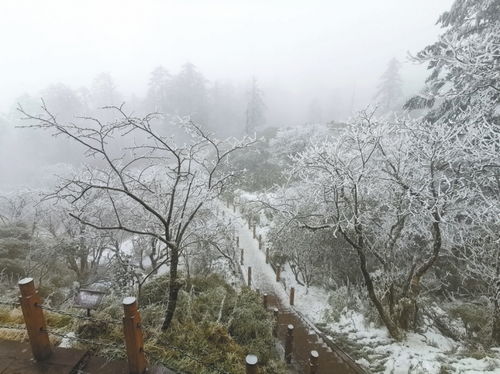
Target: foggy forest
pixel 250 186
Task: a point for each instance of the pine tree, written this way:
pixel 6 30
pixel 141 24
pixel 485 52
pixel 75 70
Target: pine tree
pixel 104 92
pixel 189 94
pixel 159 90
pixel 389 90
pixel 255 108
pixel 464 84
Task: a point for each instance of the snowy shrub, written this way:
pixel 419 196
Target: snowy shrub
pixel 476 319
pixel 344 298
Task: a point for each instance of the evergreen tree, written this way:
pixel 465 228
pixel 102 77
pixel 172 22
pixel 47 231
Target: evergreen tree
pixel 389 90
pixel 255 108
pixel 464 84
pixel 104 91
pixel 189 94
pixel 159 90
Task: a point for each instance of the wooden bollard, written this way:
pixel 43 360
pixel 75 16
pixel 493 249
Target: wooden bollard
pixel 251 364
pixel 260 241
pixel 278 273
pixel 292 295
pixel 267 255
pixel 241 256
pixel 276 321
pixel 34 319
pixel 264 300
pixel 134 340
pixel 313 362
pixel 249 276
pixel 289 344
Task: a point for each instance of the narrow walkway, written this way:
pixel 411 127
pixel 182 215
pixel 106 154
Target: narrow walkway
pixel 16 358
pixel 306 338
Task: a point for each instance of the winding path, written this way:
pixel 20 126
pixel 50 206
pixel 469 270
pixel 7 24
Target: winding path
pixel 307 337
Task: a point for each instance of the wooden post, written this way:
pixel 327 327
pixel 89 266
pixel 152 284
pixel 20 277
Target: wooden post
pixel 313 362
pixel 249 276
pixel 237 241
pixel 278 273
pixel 249 223
pixel 289 344
pixel 34 319
pixel 253 230
pixel 264 299
pixel 276 320
pixel 260 241
pixel 251 364
pixel 267 255
pixel 134 341
pixel 292 295
pixel 241 257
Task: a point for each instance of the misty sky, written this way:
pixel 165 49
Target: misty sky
pixel 300 49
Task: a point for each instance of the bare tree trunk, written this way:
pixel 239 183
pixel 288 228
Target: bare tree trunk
pixel 495 332
pixel 386 319
pixel 409 304
pixel 174 289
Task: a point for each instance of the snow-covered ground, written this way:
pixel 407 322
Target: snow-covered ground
pixel 429 352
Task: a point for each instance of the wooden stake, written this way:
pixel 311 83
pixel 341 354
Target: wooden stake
pixel 278 273
pixel 251 364
pixel 276 321
pixel 34 319
pixel 264 299
pixel 313 362
pixel 249 276
pixel 241 257
pixel 292 295
pixel 134 340
pixel 260 241
pixel 267 255
pixel 237 241
pixel 289 344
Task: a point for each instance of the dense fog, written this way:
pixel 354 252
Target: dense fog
pixel 309 62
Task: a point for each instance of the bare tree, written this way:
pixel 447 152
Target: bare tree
pixel 152 187
pixel 81 247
